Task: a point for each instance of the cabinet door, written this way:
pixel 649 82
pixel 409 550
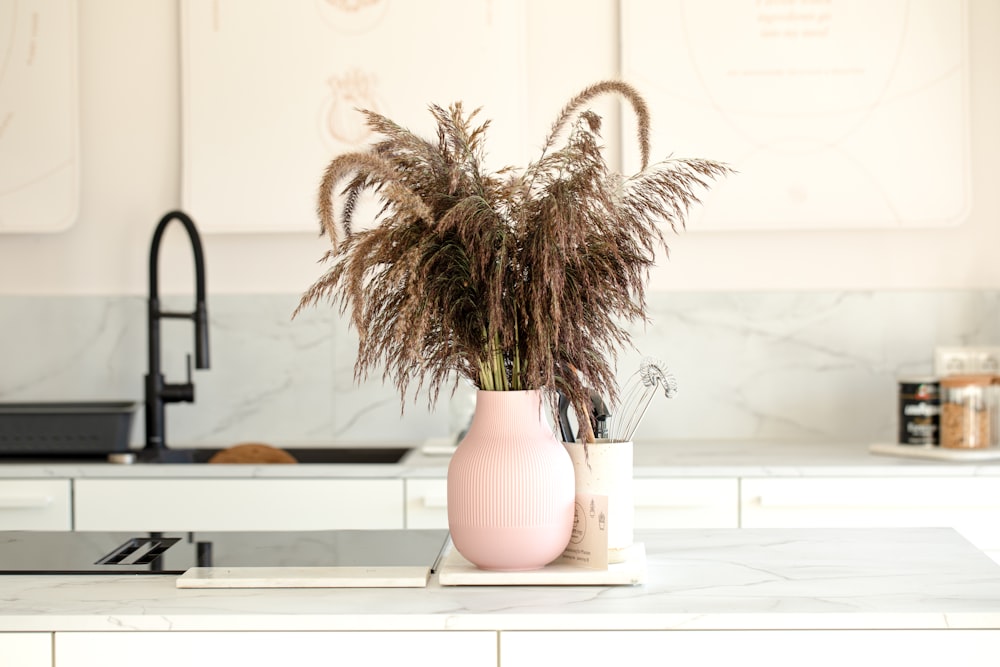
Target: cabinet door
pixel 426 503
pixel 758 648
pixel 237 504
pixel 680 502
pixel 271 649
pixel 35 504
pixel 968 504
pixel 26 649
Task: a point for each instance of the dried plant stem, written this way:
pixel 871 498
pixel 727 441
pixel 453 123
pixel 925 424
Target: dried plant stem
pixel 601 88
pixel 493 373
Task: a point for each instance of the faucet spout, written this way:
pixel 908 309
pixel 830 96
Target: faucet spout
pixel 158 391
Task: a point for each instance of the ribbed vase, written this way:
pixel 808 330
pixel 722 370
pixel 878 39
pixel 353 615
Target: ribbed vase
pixel 511 486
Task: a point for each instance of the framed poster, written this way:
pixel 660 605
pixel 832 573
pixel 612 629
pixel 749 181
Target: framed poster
pixel 271 92
pixel 837 114
pixel 39 116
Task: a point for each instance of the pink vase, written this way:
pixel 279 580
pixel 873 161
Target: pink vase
pixel 511 486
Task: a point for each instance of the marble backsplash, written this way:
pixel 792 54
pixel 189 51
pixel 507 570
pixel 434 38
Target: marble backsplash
pixel 800 366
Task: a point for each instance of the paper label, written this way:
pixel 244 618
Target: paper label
pixel 588 545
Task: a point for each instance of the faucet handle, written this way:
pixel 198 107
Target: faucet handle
pixel 174 393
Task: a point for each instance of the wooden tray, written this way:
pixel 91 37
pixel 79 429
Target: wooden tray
pixel 935 453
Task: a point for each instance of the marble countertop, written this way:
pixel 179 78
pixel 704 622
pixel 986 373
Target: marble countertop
pixel 652 459
pixel 696 579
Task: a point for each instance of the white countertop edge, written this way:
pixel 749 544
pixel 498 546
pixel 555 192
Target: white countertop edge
pixel 906 468
pixel 501 622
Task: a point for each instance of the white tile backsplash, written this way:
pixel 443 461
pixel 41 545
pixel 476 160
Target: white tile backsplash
pixel 811 366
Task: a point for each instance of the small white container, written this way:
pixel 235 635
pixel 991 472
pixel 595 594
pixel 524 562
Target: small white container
pixel 604 468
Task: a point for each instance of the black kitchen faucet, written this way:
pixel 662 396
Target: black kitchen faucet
pixel 158 391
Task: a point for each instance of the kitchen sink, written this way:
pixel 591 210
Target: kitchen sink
pixel 355 455
pixel 328 455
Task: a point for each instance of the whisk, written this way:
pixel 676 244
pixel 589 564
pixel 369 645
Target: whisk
pixel 637 394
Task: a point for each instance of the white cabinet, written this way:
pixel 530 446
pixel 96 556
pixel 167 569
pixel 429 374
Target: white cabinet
pixel 755 648
pixel 681 502
pixel 660 502
pixel 35 504
pixel 271 649
pixel 427 503
pixel 26 649
pixel 971 505
pixel 237 504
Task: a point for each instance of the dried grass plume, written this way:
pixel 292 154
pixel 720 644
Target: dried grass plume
pixel 517 279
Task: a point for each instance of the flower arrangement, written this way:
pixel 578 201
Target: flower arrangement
pixel 514 279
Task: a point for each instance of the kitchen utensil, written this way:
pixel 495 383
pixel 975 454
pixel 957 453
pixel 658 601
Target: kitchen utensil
pixel 637 394
pixel 565 428
pixel 598 416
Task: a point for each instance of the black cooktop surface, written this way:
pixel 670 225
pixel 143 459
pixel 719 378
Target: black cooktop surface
pixel 89 552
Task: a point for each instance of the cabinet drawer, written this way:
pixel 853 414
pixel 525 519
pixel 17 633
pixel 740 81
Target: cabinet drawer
pixel 970 505
pixel 26 649
pixel 238 504
pixel 35 504
pixel 674 502
pixel 759 648
pixel 267 649
pixel 426 503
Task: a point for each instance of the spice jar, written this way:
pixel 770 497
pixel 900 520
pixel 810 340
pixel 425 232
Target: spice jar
pixel 968 409
pixel 919 411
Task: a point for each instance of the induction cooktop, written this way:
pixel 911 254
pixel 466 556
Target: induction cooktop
pixel 173 553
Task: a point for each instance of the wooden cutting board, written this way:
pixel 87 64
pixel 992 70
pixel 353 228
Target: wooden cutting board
pixel 305 577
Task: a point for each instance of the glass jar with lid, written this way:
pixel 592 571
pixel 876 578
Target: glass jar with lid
pixel 968 411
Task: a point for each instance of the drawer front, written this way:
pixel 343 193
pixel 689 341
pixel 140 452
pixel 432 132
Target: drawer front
pixel 35 504
pixel 268 649
pixel 673 502
pixel 970 505
pixel 426 503
pixel 26 649
pixel 238 504
pixel 758 648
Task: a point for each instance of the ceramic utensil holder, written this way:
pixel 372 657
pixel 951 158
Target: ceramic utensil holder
pixel 604 468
